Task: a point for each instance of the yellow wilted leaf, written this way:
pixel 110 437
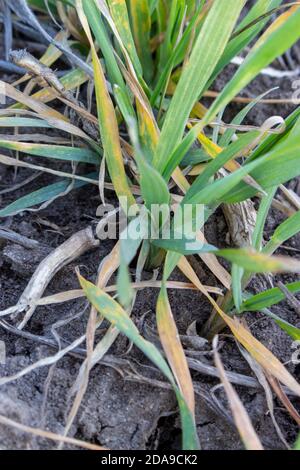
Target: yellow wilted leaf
pixel 213 150
pixel 262 355
pixel 171 343
pixel 107 119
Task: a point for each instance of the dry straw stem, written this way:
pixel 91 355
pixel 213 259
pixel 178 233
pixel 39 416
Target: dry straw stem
pixel 240 415
pixel 261 377
pixel 269 101
pixel 22 164
pixel 281 394
pixel 10 235
pixel 52 117
pixel 49 435
pixel 78 293
pixel 119 364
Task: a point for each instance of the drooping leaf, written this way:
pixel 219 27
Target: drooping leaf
pixel 113 312
pixel 46 193
pixel 59 152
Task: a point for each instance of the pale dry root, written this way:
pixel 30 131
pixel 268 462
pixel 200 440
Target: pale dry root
pixel 71 249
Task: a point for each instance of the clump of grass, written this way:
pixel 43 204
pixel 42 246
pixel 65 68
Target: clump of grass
pixel 151 63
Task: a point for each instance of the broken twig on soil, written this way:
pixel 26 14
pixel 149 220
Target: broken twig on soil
pixel 70 250
pixel 11 236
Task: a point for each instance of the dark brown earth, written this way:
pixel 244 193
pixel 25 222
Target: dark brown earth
pixel 115 412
